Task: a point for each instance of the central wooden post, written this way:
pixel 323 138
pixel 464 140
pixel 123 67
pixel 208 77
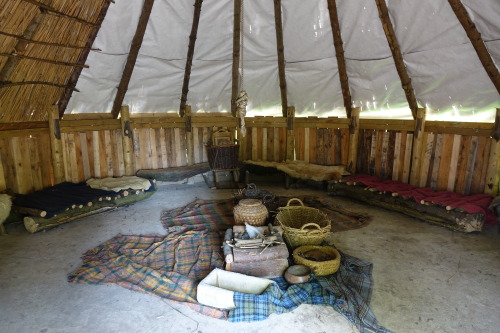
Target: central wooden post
pixel 418 142
pixel 189 135
pixel 352 155
pixel 127 140
pixel 290 135
pixel 56 145
pixel 493 172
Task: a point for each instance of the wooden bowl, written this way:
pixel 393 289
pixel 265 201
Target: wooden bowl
pixel 297 274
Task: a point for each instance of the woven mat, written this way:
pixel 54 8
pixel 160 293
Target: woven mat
pixel 218 215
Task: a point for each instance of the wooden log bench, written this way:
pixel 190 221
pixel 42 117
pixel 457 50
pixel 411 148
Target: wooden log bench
pixel 437 213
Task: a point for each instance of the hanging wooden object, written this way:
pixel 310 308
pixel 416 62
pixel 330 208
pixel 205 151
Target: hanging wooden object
pixel 281 55
pixel 132 56
pixel 189 59
pixel 127 141
pixel 418 142
pixel 56 145
pixel 352 155
pixel 477 42
pixel 339 53
pixel 397 56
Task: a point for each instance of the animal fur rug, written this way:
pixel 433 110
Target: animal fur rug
pixel 5 205
pixel 304 170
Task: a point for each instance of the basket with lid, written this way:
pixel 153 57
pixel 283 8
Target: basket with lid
pixel 303 225
pixel 251 211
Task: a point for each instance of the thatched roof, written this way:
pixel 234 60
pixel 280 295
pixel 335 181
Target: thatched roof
pixel 389 57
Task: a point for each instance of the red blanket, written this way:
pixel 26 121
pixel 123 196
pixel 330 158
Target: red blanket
pixel 475 203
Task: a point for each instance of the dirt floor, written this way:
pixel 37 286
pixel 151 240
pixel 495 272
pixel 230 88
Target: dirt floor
pixel 426 278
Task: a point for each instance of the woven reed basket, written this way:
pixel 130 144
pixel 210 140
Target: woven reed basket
pixel 251 211
pixel 303 225
pixel 319 268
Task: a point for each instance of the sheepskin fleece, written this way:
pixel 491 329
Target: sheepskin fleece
pixel 119 184
pixel 5 205
pixel 304 170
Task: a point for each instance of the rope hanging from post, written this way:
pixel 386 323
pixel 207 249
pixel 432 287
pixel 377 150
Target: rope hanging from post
pixel 242 100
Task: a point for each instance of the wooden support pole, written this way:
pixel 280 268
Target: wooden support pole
pixel 236 55
pixel 189 58
pixel 397 56
pixel 493 171
pixel 290 134
pixel 127 141
pixel 132 56
pixel 477 42
pixel 75 74
pixel 20 47
pixel 339 53
pixel 56 145
pixel 281 56
pixel 418 143
pixel 189 136
pixel 352 154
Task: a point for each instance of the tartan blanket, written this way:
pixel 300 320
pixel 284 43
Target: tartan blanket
pixel 166 266
pixel 348 291
pixel 218 215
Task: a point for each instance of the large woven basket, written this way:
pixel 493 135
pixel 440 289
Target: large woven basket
pixel 303 225
pixel 319 268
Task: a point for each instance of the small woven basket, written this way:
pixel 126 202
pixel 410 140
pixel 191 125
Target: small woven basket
pixel 319 268
pixel 251 211
pixel 303 225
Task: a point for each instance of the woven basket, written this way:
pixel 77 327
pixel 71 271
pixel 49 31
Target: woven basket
pixel 319 268
pixel 251 211
pixel 303 225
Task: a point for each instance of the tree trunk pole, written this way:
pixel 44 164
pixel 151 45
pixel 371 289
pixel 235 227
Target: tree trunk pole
pixel 397 56
pixel 281 56
pixel 127 141
pixel 418 143
pixel 189 59
pixel 132 56
pixel 352 155
pixel 477 42
pixel 339 53
pixel 236 54
pixel 56 145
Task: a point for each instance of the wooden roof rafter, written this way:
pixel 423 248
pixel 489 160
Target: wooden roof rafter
pixel 339 53
pixel 189 59
pixel 75 74
pixel 39 42
pixel 476 41
pixel 397 56
pixel 132 57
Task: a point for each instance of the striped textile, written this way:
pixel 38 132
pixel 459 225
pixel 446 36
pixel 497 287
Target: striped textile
pixel 348 291
pixel 166 266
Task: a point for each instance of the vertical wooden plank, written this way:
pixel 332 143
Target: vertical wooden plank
pixel 66 157
pixel 383 158
pixel 103 159
pixel 462 164
pixel 179 134
pixel 354 135
pixel 255 155
pixel 344 146
pixel 270 144
pixel 444 167
pixel 128 145
pixel 36 168
pixel 373 152
pixel 276 148
pixel 109 153
pixel 56 145
pixel 299 143
pixel 118 161
pixel 79 158
pixel 428 139
pixel 471 160
pixel 96 154
pixel 453 163
pixel 85 155
pixel 397 157
pixel 407 158
pixel 3 182
pixel 152 144
pixel 320 144
pixel 379 150
pixel 21 160
pixel 485 165
pixel 260 156
pixel 264 144
pixel 492 173
pixel 8 165
pixel 307 144
pixel 416 153
pixel 169 142
pixel 196 145
pixel 436 163
pixel 337 148
pixel 72 158
pixel 283 146
pixel 313 145
pixel 390 154
pixel 482 156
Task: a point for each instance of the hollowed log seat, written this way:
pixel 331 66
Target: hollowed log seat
pixel 466 213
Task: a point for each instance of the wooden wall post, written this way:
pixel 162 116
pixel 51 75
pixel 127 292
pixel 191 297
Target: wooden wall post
pixel 352 155
pixel 189 135
pixel 493 172
pixel 56 145
pixel 127 141
pixel 418 142
pixel 290 135
pixel 3 183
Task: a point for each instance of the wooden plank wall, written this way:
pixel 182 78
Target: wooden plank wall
pixel 455 157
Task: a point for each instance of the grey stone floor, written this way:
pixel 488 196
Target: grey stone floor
pixel 427 278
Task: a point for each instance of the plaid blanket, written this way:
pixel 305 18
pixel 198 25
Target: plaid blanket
pixel 348 291
pixel 167 266
pixel 218 215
